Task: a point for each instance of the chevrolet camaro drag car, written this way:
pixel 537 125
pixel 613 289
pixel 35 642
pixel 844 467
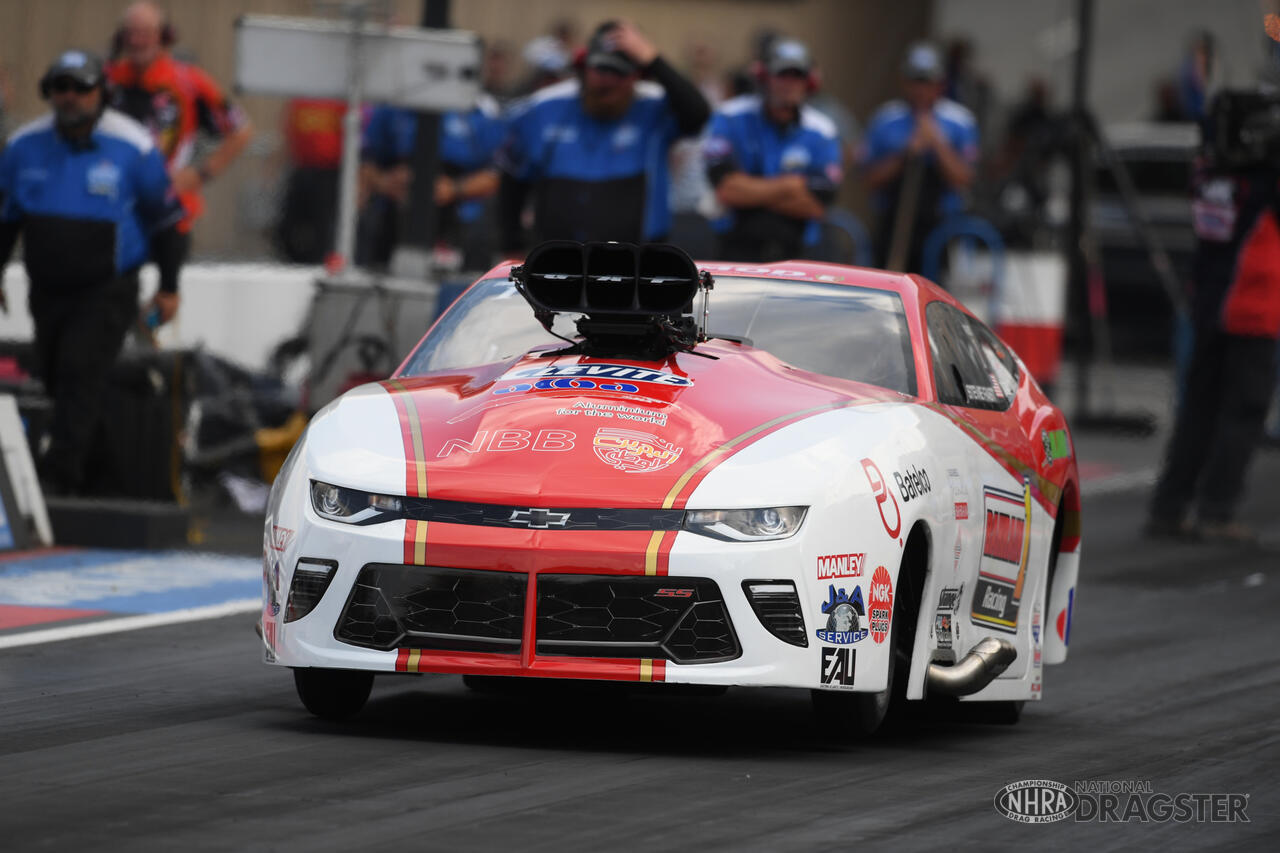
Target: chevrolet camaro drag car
pixel 609 463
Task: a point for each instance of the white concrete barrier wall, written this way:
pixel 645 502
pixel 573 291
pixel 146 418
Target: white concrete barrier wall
pixel 237 311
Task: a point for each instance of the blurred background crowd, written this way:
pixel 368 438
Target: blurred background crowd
pixel 857 132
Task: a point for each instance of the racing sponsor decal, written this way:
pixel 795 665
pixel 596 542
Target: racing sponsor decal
pixel 619 411
pixel 845 613
pixel 838 666
pixel 569 383
pixel 959 494
pixel 881 604
pixel 983 394
pixel 1056 445
pixel 912 484
pixel 942 629
pixel 508 440
pixel 280 537
pixel 840 566
pixel 1064 618
pixel 880 491
pixel 949 597
pixel 1006 543
pixel 1037 663
pixel 632 451
pixel 962 511
pixel 600 373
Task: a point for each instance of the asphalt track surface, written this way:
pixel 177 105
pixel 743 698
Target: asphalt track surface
pixel 178 738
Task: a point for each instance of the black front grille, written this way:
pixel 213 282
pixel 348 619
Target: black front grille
pixel 425 607
pixel 679 619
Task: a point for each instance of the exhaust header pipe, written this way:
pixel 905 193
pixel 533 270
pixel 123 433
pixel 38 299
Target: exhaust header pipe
pixel 974 671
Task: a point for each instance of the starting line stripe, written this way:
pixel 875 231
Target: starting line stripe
pixel 132 623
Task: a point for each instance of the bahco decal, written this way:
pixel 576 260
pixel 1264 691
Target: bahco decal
pixel 634 452
pixel 880 490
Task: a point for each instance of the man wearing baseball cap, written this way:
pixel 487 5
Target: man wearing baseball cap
pixel 774 161
pixel 87 189
pixel 917 157
pixel 593 149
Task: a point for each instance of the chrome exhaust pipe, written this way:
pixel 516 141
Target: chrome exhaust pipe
pixel 975 670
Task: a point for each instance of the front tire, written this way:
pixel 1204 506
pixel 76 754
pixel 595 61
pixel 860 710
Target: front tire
pixel 333 694
pixel 863 714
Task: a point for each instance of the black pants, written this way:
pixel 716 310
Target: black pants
pixel 79 333
pixel 1229 385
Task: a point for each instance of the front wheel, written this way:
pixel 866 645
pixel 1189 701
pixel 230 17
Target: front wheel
pixel 333 694
pixel 863 714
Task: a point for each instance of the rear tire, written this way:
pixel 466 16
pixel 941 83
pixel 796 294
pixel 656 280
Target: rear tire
pixel 333 694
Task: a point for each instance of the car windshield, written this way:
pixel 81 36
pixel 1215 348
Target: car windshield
pixel 837 330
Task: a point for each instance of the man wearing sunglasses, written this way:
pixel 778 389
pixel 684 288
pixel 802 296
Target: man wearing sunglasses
pixel 774 161
pixel 593 149
pixel 87 190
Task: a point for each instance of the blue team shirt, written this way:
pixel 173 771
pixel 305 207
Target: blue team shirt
pixel 891 128
pixel 468 141
pixel 118 178
pixel 741 133
pixel 551 139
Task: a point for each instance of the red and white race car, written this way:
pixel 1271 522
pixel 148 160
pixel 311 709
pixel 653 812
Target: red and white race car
pixel 609 463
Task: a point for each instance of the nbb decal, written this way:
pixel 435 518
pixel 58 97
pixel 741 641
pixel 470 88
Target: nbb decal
pixel 507 440
pixel 634 452
pixel 912 484
pixel 880 491
pixel 840 566
pixel 1006 545
pixel 881 604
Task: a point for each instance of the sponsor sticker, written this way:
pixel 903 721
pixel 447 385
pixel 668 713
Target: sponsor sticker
pixel 1056 445
pixel 632 451
pixel 942 630
pixel 618 411
pixel 280 537
pixel 880 491
pixel 962 510
pixel 838 666
pixel 845 614
pixel 600 373
pixel 840 566
pixel 509 440
pixel 1006 542
pixel 944 618
pixel 913 483
pixel 881 604
pixel 1036 801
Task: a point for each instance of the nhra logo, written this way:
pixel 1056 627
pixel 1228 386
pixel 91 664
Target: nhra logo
pixel 634 452
pixel 912 484
pixel 1036 801
pixel 840 566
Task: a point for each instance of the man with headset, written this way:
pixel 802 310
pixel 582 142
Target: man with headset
pixel 774 161
pixel 88 190
pixel 175 101
pixel 593 149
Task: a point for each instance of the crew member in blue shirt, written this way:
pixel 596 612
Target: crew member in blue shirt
pixel 467 177
pixel 593 149
pixel 86 188
pixel 925 136
pixel 774 161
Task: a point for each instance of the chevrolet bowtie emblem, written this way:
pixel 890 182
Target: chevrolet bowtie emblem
pixel 539 518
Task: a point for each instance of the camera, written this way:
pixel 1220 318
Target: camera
pixel 1242 129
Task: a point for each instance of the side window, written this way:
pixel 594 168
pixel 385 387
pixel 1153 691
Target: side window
pixel 970 366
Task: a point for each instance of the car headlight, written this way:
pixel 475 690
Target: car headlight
pixel 352 506
pixel 746 525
